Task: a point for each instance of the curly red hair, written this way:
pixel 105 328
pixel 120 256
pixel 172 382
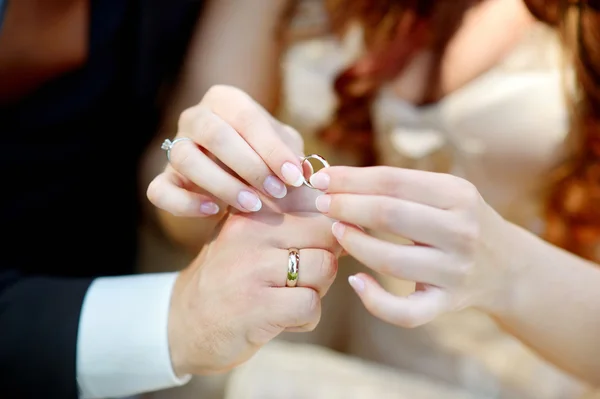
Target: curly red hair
pixel 396 30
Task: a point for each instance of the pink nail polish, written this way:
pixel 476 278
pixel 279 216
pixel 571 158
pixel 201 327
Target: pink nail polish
pixel 338 230
pixel 356 283
pixel 292 174
pixel 322 203
pixel 320 181
pixel 249 201
pixel 209 208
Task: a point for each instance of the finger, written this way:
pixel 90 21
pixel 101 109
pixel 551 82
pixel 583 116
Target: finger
pixel 167 192
pixel 317 269
pixel 417 222
pixel 290 136
pixel 415 310
pixel 428 188
pixel 286 231
pixel 188 160
pixel 408 262
pixel 298 307
pixel 225 144
pixel 251 121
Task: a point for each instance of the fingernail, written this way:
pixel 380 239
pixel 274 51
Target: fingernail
pixel 275 187
pixel 320 180
pixel 322 203
pixel 356 283
pixel 209 208
pixel 292 174
pixel 249 201
pixel 338 230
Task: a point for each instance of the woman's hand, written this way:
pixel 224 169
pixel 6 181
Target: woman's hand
pixel 237 150
pixel 459 259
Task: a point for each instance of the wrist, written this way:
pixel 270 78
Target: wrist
pixel 176 329
pixel 511 266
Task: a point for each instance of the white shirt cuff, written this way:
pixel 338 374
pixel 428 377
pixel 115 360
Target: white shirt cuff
pixel 122 344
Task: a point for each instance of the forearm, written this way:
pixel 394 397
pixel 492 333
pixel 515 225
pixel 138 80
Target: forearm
pixel 555 305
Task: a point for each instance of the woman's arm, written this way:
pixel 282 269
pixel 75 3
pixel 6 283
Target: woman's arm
pixel 554 305
pixel 236 43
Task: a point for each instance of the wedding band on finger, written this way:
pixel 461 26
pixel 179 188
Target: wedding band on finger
pixel 293 267
pixel 306 159
pixel 167 145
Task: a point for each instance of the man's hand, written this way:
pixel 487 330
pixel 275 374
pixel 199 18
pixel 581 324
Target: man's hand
pixel 232 299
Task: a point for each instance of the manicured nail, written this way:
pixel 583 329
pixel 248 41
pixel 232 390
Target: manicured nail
pixel 320 180
pixel 275 187
pixel 249 201
pixel 338 230
pixel 322 203
pixel 292 174
pixel 356 283
pixel 209 208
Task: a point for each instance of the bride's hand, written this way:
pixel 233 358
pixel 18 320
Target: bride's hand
pixel 460 258
pixel 233 151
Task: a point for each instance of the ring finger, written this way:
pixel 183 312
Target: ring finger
pixel 317 269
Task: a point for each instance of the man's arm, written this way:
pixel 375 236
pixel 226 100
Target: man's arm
pixel 109 335
pixel 39 320
pixel 123 345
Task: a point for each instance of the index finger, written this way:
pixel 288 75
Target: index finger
pixel 256 126
pixel 437 190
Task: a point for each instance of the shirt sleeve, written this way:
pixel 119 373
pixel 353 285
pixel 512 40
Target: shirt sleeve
pixel 122 346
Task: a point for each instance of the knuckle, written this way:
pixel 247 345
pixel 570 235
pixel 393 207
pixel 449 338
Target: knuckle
pixel 469 195
pixel 390 180
pixel 218 92
pixel 246 115
pixel 186 117
pixel 310 303
pixel 328 267
pixel 467 236
pixel 387 265
pixel 386 216
pixel 206 130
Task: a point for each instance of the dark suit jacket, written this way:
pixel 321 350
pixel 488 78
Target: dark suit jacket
pixel 69 207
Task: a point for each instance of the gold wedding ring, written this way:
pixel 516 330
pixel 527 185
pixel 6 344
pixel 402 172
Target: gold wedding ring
pixel 293 267
pixel 305 160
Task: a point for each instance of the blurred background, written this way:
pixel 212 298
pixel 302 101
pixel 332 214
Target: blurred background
pixel 351 354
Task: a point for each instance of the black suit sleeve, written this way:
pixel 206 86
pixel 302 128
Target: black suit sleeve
pixel 39 319
pixel 3 5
